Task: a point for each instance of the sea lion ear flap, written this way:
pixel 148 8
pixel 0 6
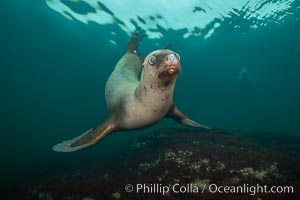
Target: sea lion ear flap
pixel 143 60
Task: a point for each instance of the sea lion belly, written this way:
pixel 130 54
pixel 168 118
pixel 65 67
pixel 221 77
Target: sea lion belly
pixel 143 114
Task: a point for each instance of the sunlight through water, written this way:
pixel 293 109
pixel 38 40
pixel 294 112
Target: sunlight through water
pixel 195 17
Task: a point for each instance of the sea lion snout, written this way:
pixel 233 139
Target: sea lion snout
pixel 171 63
pixel 171 58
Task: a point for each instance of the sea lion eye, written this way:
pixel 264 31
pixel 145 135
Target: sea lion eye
pixel 177 56
pixel 152 60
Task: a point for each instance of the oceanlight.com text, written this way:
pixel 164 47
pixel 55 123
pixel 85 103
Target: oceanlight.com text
pixel 157 188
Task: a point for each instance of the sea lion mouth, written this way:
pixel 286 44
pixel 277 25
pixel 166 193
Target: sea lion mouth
pixel 171 69
pixel 169 72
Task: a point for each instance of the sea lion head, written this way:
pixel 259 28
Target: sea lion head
pixel 161 66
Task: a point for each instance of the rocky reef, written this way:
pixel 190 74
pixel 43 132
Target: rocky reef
pixel 194 159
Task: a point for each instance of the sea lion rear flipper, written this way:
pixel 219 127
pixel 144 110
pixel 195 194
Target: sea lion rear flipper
pixel 86 139
pixel 181 118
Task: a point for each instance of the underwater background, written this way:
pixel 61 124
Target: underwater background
pixel 240 73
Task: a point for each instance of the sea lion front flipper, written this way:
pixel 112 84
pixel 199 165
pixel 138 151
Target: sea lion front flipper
pixel 175 114
pixel 86 139
pixel 135 40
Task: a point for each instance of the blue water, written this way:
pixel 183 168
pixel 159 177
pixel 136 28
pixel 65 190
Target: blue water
pixel 53 72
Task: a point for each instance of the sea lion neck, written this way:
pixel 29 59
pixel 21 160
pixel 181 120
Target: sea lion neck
pixel 150 89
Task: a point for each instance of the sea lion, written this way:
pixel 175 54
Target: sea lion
pixel 134 103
